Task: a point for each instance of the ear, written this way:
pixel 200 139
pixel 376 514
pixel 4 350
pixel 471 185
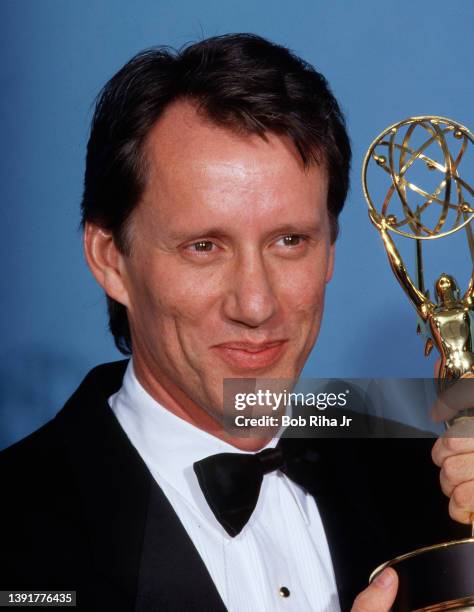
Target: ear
pixel 330 268
pixel 105 262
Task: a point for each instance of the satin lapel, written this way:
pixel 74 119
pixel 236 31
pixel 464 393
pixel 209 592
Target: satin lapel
pixel 113 485
pixel 138 545
pixel 172 574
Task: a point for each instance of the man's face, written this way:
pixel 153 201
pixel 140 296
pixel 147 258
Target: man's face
pixel 230 255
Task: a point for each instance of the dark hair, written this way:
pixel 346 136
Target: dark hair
pixel 241 81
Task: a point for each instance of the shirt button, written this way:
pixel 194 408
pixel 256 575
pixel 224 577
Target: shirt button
pixel 284 592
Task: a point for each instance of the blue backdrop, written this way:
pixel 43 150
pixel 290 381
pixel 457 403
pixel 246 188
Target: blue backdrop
pixel 385 61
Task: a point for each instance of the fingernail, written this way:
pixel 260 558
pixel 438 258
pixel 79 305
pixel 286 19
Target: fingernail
pixel 384 580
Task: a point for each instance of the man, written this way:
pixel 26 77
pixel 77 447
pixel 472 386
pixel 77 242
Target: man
pixel 213 184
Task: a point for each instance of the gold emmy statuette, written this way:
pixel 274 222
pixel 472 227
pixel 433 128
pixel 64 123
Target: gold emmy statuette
pixel 424 196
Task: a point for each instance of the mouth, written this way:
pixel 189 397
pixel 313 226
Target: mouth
pixel 249 355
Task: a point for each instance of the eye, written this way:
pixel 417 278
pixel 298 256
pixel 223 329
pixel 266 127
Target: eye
pixel 203 246
pixel 292 240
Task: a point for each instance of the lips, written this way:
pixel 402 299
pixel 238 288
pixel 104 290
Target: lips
pixel 249 355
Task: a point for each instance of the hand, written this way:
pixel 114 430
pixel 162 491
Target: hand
pixel 454 454
pixel 379 595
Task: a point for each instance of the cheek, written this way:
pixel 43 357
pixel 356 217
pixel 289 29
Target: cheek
pixel 168 294
pixel 303 292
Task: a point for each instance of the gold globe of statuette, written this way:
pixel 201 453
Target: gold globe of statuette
pixel 439 145
pixel 444 143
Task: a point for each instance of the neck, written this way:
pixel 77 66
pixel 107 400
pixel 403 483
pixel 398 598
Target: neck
pixel 179 404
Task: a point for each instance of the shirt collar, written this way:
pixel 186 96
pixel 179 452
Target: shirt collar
pixel 169 445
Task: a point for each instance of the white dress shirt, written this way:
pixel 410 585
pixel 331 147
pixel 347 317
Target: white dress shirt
pixel 282 545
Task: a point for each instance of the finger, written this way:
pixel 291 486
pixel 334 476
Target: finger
pixel 461 504
pixel 379 595
pixel 455 470
pixel 454 442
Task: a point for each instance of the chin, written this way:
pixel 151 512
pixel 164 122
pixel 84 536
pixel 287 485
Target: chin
pixel 251 444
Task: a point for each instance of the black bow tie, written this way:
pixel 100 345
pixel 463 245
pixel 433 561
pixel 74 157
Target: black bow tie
pixel 231 483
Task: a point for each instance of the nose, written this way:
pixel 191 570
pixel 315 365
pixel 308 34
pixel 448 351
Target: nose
pixel 250 298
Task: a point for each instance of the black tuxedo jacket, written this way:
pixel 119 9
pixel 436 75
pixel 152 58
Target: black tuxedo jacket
pixel 80 511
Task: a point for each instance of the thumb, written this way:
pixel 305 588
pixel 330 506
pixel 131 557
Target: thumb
pixel 379 595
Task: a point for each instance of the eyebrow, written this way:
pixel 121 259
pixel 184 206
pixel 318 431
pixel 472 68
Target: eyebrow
pixel 195 235
pixel 298 228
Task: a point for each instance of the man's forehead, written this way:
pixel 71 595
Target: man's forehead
pixel 185 136
pixel 202 175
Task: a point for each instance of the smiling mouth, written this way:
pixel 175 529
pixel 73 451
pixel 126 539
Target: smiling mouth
pixel 250 356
